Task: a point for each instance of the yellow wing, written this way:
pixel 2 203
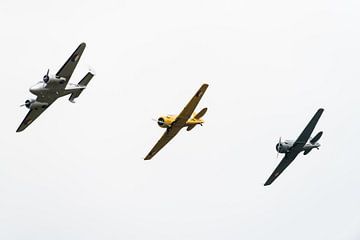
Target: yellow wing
pixel 179 122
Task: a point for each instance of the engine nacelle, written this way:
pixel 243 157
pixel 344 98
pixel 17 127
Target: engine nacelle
pixel 53 79
pixel 165 122
pixel 35 105
pixel 282 147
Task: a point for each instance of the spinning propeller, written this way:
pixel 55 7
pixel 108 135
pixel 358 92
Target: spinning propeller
pixel 278 148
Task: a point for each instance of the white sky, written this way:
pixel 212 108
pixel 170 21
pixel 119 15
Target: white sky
pixel 77 172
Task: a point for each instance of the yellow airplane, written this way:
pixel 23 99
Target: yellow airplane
pixel 174 123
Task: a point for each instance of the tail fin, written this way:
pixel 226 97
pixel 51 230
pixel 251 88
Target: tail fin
pixel 82 84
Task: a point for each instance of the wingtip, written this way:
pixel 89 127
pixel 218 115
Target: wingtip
pixel 83 44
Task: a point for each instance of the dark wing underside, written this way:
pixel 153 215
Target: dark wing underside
pixel 285 162
pixel 169 134
pixel 306 133
pixel 68 68
pixel 185 114
pixel 34 114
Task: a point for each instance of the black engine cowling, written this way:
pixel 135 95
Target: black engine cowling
pixel 161 121
pixel 35 105
pixel 53 79
pixel 46 78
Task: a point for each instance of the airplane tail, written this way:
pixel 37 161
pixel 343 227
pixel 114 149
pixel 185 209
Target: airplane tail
pixel 307 151
pixel 313 141
pixel 201 113
pixel 82 84
pixel 316 138
pixel 197 116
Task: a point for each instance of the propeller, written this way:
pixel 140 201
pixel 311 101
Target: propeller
pixel 278 148
pixel 162 122
pixel 26 104
pixel 46 77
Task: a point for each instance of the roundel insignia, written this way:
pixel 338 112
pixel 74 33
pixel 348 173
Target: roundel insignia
pixel 75 58
pixel 28 121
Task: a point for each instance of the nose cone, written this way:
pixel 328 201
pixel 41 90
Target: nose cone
pixel 161 121
pixel 36 89
pixel 33 90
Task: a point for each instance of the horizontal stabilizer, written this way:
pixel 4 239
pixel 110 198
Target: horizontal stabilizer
pixel 190 127
pixel 83 83
pixel 316 138
pixel 307 151
pixel 201 113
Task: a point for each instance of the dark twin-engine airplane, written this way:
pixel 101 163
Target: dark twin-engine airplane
pixel 55 86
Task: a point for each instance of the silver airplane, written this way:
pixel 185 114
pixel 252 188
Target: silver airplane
pixel 293 148
pixel 54 86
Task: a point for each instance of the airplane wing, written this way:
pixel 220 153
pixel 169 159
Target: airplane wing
pixel 68 68
pixel 285 162
pixel 179 122
pixel 34 114
pixel 166 137
pixel 190 107
pixel 306 133
pixel 296 148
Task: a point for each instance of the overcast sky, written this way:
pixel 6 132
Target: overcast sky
pixel 78 172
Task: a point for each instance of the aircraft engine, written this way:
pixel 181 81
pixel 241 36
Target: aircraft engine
pixel 46 78
pixel 53 80
pixel 33 104
pixel 164 122
pixel 282 148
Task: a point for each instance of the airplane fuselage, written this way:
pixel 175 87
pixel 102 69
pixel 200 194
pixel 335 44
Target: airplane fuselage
pixel 166 121
pixel 51 89
pixel 284 147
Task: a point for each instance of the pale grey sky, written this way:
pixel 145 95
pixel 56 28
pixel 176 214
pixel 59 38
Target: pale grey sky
pixel 77 172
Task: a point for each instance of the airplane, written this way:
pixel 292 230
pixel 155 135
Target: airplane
pixel 55 86
pixel 174 123
pixel 293 148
